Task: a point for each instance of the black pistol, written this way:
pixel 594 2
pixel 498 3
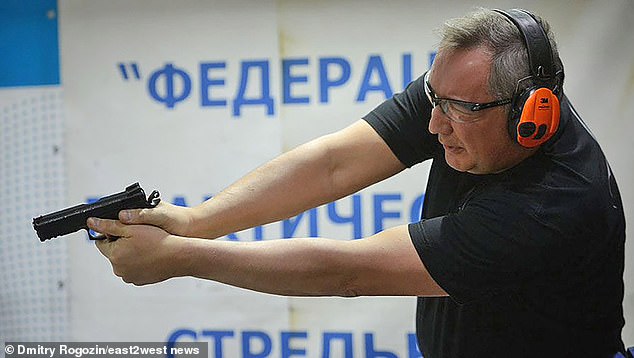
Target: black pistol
pixel 69 220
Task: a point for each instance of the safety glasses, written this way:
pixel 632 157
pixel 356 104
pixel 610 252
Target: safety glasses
pixel 459 111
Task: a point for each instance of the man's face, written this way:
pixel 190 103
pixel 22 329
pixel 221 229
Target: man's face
pixel 483 146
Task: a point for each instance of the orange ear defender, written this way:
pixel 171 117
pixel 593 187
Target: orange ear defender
pixel 534 113
pixel 539 118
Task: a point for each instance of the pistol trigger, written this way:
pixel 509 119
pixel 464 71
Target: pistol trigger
pixel 94 237
pixel 100 237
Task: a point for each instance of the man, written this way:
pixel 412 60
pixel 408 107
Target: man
pixel 520 249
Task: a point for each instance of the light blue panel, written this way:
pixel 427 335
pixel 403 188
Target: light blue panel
pixel 28 43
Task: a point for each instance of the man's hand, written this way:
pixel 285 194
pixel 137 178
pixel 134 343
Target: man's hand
pixel 141 255
pixel 174 219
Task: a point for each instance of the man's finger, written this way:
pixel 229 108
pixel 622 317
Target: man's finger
pixel 153 216
pixel 108 227
pixel 132 216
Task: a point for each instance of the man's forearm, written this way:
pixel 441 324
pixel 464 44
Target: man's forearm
pixel 315 173
pixel 303 267
pixel 292 183
pixel 384 264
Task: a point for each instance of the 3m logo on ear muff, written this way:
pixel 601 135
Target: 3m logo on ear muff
pixel 539 118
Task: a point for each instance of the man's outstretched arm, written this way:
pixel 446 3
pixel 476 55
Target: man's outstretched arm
pixel 383 264
pixel 318 172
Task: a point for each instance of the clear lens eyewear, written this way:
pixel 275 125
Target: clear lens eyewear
pixel 456 110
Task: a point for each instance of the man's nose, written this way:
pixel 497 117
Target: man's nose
pixel 439 123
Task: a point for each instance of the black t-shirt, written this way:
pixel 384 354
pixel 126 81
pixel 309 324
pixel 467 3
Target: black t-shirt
pixel 532 258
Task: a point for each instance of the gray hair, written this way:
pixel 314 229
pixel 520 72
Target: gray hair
pixel 491 30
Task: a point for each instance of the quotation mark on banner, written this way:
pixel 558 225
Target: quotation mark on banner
pixel 168 85
pixel 134 70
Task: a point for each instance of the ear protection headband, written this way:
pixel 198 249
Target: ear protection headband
pixel 534 114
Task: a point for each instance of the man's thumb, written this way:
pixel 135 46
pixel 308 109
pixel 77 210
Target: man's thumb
pixel 135 216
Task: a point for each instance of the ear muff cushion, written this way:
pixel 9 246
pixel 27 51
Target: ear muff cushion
pixel 539 118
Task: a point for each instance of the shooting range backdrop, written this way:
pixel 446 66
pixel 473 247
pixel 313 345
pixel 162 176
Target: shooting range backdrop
pixel 187 96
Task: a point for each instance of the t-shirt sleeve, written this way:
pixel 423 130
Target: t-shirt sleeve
pixel 402 122
pixel 493 245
